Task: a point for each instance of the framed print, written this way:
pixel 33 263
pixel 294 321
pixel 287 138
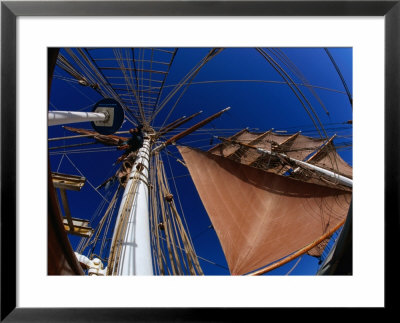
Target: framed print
pixel 96 46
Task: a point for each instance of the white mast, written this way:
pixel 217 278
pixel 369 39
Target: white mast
pixel 131 244
pixel 131 250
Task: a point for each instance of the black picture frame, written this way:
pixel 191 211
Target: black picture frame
pixel 10 10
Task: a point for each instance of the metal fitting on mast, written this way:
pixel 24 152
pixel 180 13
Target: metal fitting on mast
pixel 95 266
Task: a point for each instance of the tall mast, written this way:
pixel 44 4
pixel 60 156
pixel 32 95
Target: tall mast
pixel 130 251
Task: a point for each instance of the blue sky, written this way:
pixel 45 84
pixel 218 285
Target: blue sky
pixel 259 99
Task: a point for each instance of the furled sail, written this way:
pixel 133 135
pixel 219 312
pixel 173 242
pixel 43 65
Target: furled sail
pixel 108 140
pixel 259 216
pixel 317 151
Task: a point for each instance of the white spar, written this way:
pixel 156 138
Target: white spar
pixel 65 117
pixel 342 179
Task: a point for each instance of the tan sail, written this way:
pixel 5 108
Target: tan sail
pixel 261 217
pixel 317 151
pixel 108 140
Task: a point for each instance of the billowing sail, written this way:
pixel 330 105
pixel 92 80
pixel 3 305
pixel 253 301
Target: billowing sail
pixel 261 217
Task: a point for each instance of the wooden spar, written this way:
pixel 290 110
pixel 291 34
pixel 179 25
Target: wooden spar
pixel 75 145
pixel 292 137
pixel 297 253
pixel 195 127
pixel 190 130
pixel 176 124
pixel 232 137
pixel 173 123
pixel 88 135
pixel 321 149
pixel 260 136
pixel 251 142
pixel 317 153
pixel 72 137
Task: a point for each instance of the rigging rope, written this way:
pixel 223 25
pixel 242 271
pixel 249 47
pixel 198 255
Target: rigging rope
pixel 260 81
pixel 185 81
pixel 287 78
pixel 285 59
pixel 177 193
pixel 294 266
pixel 166 221
pixel 341 76
pixel 87 179
pixel 104 82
